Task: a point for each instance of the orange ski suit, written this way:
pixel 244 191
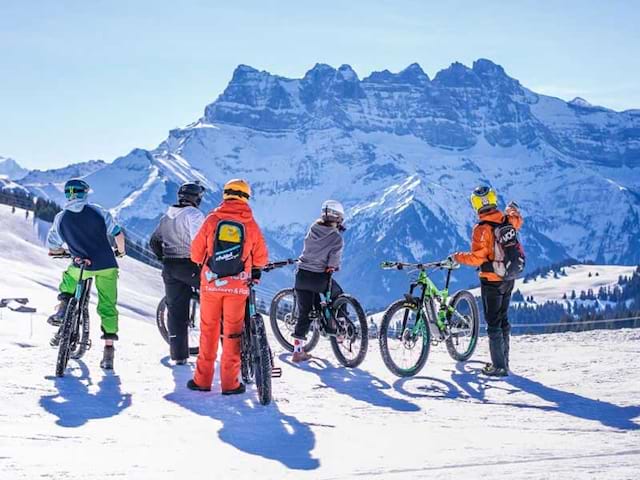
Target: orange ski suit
pixel 224 300
pixel 483 241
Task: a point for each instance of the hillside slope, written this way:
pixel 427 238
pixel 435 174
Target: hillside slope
pixel 569 411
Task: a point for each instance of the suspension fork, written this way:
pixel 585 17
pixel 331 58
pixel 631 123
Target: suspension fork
pixel 418 309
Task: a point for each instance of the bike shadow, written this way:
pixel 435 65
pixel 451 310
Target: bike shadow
pixel 430 387
pixel 353 382
pixel 75 405
pixel 470 380
pixel 255 429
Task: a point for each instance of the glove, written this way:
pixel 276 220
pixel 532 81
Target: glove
pixel 256 275
pixel 451 260
pixel 119 254
pixel 330 269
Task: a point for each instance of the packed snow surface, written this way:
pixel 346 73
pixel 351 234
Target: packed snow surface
pixel 570 409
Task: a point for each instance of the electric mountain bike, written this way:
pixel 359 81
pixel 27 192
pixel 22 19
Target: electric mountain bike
pixel 410 325
pixel 73 335
pixel 193 321
pixel 341 319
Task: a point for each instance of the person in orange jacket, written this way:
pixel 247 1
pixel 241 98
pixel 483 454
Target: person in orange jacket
pixel 231 249
pixel 496 283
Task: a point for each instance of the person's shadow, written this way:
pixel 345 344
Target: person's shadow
pixel 354 382
pixel 608 414
pixel 250 427
pixel 74 405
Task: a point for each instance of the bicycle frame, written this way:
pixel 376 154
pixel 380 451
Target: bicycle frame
pixel 428 294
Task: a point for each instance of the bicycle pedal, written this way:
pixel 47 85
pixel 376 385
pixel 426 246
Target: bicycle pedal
pixel 276 372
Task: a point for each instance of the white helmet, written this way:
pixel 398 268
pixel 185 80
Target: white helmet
pixel 332 211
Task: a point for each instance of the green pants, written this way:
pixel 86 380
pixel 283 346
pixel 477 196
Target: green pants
pixel 107 285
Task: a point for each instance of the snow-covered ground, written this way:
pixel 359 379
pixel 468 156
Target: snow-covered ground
pixel 570 410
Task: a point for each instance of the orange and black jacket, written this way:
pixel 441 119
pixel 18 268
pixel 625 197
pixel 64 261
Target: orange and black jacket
pixel 483 241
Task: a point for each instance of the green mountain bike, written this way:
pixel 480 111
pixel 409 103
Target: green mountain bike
pixel 410 325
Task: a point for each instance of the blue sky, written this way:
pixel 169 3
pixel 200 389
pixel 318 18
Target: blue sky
pixel 93 79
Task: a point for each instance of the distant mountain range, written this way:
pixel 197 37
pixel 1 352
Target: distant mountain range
pixel 403 152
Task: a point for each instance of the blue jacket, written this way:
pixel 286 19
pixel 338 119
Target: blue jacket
pixel 85 228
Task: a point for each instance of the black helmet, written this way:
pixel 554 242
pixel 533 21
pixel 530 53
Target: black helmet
pixel 76 188
pixel 191 192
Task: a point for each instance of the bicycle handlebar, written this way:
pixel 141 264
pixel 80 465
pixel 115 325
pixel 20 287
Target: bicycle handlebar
pixel 278 264
pixel 66 254
pixel 444 264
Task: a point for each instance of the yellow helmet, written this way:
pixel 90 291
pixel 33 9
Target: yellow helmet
pixel 236 189
pixel 484 198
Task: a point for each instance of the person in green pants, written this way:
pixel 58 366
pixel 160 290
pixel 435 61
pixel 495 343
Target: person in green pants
pixel 85 228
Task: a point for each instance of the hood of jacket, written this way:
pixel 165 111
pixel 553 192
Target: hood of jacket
pixel 234 209
pixel 318 231
pixel 495 216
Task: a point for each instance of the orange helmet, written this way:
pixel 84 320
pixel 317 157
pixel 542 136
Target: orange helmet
pixel 236 189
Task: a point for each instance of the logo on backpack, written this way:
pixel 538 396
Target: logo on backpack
pixel 228 244
pixel 509 258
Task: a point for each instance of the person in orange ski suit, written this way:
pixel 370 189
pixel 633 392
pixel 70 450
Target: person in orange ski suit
pixel 223 299
pixel 495 291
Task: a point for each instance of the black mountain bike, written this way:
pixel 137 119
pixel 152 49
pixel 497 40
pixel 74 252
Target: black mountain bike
pixel 73 334
pixel 349 343
pixel 256 356
pixel 193 325
pixel 410 325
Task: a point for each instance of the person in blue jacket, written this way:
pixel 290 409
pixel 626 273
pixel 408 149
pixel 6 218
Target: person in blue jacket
pixel 85 228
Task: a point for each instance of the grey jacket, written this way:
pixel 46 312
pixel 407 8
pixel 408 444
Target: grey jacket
pixel 176 229
pixel 322 248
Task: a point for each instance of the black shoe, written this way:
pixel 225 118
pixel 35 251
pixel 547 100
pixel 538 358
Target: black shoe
pixel 191 385
pixel 491 371
pixel 55 340
pixel 107 357
pixel 235 391
pixel 182 361
pixel 57 318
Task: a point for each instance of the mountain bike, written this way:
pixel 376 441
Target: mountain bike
pixel 193 324
pixel 410 325
pixel 256 357
pixel 349 337
pixel 73 334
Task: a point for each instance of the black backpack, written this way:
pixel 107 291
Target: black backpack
pixel 228 244
pixel 508 254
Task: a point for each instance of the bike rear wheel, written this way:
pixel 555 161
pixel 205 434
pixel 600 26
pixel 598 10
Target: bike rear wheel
pixel 283 317
pixel 194 322
pixel 262 360
pixel 82 333
pixel 404 349
pixel 67 330
pixel 464 324
pixel 352 326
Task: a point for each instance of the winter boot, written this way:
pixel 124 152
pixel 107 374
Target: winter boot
pixel 191 385
pixel 496 348
pixel 57 318
pixel 182 361
pixel 107 357
pixel 301 356
pixel 505 340
pixel 235 391
pixel 55 340
pixel 491 371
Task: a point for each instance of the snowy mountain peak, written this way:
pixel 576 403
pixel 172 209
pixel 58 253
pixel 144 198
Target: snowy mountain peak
pixel 11 169
pixel 582 103
pixel 457 75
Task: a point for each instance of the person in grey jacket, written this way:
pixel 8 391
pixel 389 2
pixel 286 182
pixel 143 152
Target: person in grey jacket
pixel 321 256
pixel 171 242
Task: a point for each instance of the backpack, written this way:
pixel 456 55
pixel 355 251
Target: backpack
pixel 508 254
pixel 228 245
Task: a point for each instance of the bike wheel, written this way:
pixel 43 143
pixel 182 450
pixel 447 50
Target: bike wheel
pixel 352 326
pixel 64 348
pixel 283 318
pixel 247 369
pixel 82 332
pixel 262 360
pixel 194 322
pixel 464 324
pixel 404 351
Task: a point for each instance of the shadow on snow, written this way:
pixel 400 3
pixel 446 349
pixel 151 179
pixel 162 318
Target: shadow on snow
pixel 74 405
pixel 354 382
pixel 250 427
